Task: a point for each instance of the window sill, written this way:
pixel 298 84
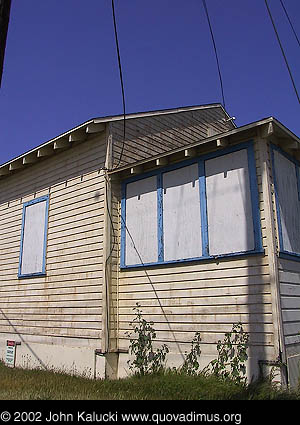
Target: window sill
pixel 289 255
pixel 30 275
pixel 215 258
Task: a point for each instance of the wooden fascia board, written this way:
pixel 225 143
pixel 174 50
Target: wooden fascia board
pixel 156 113
pixel 95 128
pixel 4 171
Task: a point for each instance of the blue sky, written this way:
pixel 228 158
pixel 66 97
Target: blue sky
pixel 61 65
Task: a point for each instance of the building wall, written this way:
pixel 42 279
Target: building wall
pixel 203 296
pixel 155 135
pixel 63 308
pixel 289 276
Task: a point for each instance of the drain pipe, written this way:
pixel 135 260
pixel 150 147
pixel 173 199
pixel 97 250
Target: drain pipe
pixel 107 252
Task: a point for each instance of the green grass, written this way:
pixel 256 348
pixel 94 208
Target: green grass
pixel 21 384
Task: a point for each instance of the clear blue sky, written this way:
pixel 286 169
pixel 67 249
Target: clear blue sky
pixel 61 65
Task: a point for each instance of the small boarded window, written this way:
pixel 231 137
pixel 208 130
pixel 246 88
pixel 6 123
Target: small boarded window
pixel 287 199
pixel 33 237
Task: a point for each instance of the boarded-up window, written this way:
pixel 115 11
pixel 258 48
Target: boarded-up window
pixel 33 237
pixel 287 196
pixel 229 205
pixel 181 214
pixel 199 209
pixel 141 221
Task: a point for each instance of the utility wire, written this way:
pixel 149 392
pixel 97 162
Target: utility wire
pixel 121 81
pixel 282 50
pixel 215 49
pixel 285 11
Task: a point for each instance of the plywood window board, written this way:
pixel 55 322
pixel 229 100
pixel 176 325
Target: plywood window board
pixel 34 237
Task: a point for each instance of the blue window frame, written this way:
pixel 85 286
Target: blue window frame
pixel 287 196
pixel 32 261
pixel 126 236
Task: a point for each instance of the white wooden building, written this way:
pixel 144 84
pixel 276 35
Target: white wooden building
pixel 191 217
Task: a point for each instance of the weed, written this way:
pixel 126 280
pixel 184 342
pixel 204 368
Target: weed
pixel 232 355
pixel 146 360
pixel 191 363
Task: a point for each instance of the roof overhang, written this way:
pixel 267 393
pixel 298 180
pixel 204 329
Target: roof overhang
pixel 164 112
pixel 81 133
pixel 268 128
pixel 53 146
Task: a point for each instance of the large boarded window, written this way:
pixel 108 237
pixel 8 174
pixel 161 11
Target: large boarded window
pixel 203 208
pixel 33 237
pixel 287 199
pixel 181 214
pixel 229 205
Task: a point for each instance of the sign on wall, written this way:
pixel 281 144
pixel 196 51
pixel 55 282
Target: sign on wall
pixel 10 356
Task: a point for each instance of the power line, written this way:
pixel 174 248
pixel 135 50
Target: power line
pixel 121 81
pixel 285 11
pixel 215 49
pixel 282 51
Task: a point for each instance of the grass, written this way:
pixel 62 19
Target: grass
pixel 22 384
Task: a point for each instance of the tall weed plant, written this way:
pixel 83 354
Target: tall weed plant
pixel 146 358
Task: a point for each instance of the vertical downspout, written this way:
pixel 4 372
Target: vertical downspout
pixel 272 253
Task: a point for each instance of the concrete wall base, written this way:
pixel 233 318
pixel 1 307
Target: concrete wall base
pixel 79 361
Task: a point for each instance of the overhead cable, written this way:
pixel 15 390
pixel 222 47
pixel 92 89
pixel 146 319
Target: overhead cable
pixel 282 50
pixel 121 81
pixel 215 49
pixel 293 29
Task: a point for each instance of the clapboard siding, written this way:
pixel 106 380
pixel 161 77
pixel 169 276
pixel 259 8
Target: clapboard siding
pixel 74 162
pixel 289 276
pixel 203 296
pixel 67 302
pixel 154 135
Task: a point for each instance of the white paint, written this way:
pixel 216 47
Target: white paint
pixel 229 211
pixel 33 238
pixel 141 221
pixel 287 195
pixel 181 214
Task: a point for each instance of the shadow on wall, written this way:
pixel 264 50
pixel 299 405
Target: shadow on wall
pixel 23 341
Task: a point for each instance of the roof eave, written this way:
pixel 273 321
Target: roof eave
pixel 242 131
